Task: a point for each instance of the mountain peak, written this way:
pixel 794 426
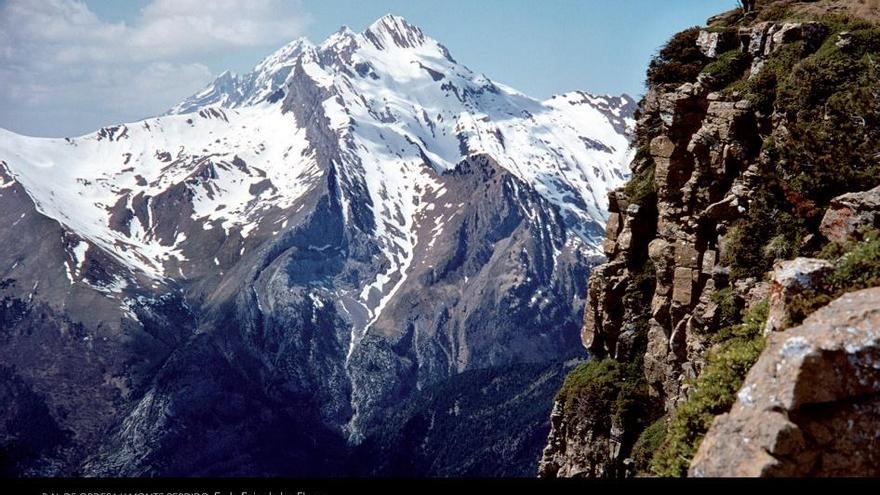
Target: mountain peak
pixel 344 38
pixel 393 30
pixel 227 76
pixel 284 54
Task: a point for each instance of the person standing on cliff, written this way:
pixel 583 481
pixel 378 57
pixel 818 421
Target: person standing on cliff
pixel 748 5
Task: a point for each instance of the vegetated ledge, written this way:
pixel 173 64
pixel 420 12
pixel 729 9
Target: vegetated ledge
pixel 751 129
pixel 811 405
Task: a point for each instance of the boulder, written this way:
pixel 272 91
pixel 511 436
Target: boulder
pixel 751 291
pixel 849 214
pixel 754 38
pixel 710 258
pixel 812 33
pixel 714 43
pixel 791 280
pixel 630 229
pixel 811 404
pixel 686 254
pixel 844 39
pixel 662 149
pixel 765 38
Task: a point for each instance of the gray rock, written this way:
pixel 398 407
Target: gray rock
pixel 714 43
pixel 811 404
pixel 792 280
pixel 850 214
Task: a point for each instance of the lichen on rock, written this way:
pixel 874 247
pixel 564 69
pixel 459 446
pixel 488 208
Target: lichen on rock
pixel 811 404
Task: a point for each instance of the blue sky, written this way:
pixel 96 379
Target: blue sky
pixel 538 47
pixel 106 61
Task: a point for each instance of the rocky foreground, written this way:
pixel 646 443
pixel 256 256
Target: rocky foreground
pixel 751 207
pixel 811 404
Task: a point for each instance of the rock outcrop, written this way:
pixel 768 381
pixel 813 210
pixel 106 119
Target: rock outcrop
pixel 850 214
pixel 714 43
pixel 712 208
pixel 811 405
pixel 791 280
pixel 765 38
pixel 653 299
pixel 574 451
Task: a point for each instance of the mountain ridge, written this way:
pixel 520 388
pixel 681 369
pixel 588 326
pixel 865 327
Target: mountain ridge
pixel 387 221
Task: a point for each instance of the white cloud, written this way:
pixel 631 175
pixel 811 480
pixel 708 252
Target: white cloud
pixel 181 25
pixel 57 56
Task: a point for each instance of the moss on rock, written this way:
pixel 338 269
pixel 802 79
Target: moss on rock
pixel 727 68
pixel 714 392
pixel 647 444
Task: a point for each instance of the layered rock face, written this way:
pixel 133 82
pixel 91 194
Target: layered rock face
pixel 675 271
pixel 811 404
pixel 701 160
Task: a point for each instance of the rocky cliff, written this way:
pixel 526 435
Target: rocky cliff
pixel 753 129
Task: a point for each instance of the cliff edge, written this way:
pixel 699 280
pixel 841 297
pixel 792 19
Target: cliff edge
pixel 751 206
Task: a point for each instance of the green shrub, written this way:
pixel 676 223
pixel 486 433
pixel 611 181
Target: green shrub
pixel 829 102
pixel 591 389
pixel 718 28
pixel 727 68
pixel 714 392
pixel 679 61
pixel 728 310
pixel 770 229
pixel 859 268
pixel 832 251
pixel 641 188
pixel 647 444
pixel 856 267
pixel 806 304
pixel 771 10
pixel 838 23
pixel 643 153
pixel 778 220
pixel 633 405
pixel 761 88
pixel 832 107
pixel 603 392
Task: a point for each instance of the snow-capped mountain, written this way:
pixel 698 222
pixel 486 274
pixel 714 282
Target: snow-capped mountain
pixel 398 95
pixel 346 225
